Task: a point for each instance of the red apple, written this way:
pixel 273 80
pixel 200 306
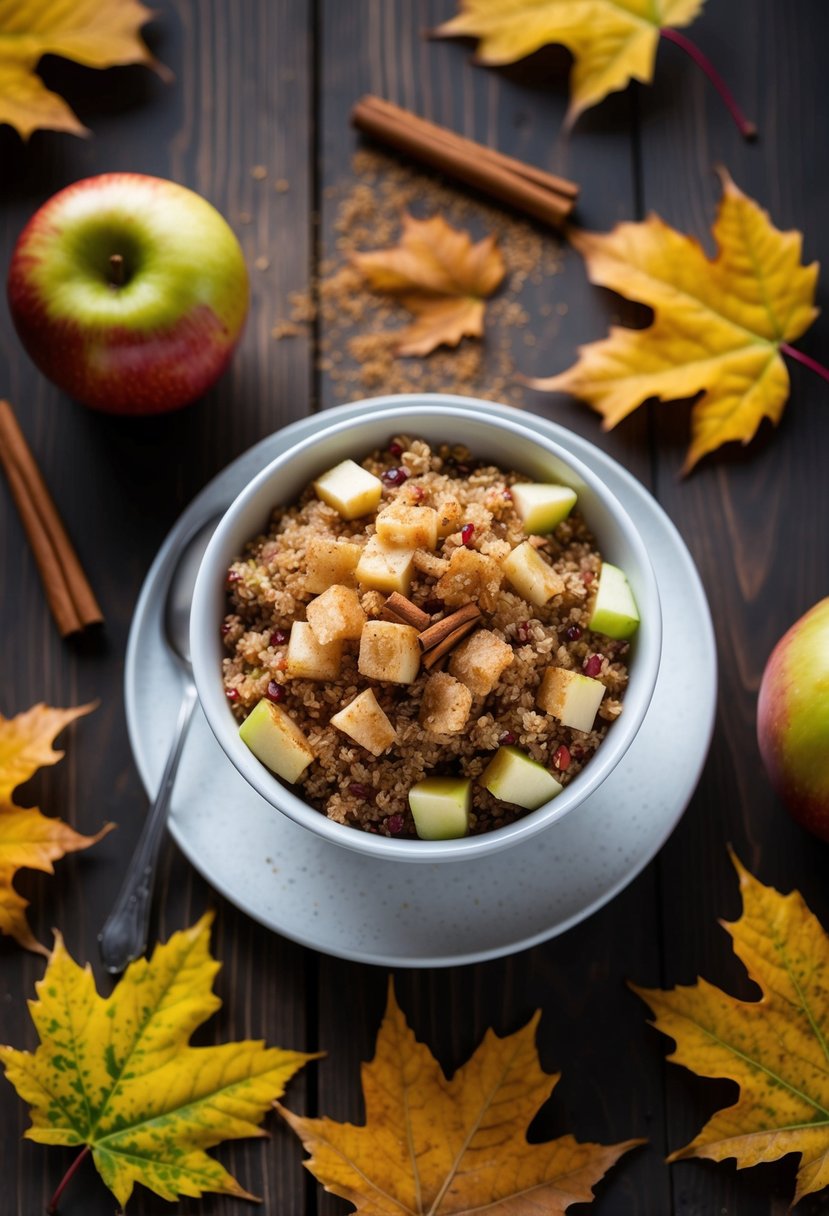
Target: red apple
pixel 793 719
pixel 129 292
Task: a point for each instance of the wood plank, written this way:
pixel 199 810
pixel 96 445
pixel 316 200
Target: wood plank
pixel 592 1027
pixel 754 520
pixel 241 98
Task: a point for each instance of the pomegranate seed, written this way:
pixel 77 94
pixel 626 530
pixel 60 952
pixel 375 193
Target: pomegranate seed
pixel 417 493
pixel 225 629
pixel 587 577
pixel 507 738
pixel 467 532
pixel 275 693
pixel 574 633
pixel 523 631
pixel 593 665
pixel 279 637
pixel 396 449
pixel 395 477
pixel 507 494
pixel 561 758
pixel 233 576
pixel 394 825
pixel 232 694
pixel 359 791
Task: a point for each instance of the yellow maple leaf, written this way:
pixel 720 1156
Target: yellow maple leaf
pixel 117 1075
pixel 774 1048
pixel 612 41
pixel 28 838
pixel 96 33
pixel 431 1147
pixel 441 277
pixel 720 324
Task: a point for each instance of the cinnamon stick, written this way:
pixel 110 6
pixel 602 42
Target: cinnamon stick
pixel 449 642
pixel 402 611
pixel 549 181
pixel 447 625
pixel 454 157
pixel 68 592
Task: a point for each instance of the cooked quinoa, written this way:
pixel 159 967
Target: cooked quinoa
pixel 268 592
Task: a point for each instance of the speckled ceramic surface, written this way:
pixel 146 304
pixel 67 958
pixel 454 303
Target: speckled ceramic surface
pixel 386 913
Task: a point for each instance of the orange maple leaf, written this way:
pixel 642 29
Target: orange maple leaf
pixel 774 1048
pixel 28 838
pixel 431 1147
pixel 96 33
pixel 720 328
pixel 441 277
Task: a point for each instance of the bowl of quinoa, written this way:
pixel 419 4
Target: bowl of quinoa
pixel 382 595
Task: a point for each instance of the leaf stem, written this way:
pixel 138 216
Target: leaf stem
pixel 806 360
pixel 747 129
pixel 51 1210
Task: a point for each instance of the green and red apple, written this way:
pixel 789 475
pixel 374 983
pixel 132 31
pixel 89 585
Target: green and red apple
pixel 129 292
pixel 793 719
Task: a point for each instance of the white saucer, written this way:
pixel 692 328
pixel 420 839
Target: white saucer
pixel 393 914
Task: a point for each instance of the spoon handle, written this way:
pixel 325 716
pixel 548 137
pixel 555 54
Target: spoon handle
pixel 124 935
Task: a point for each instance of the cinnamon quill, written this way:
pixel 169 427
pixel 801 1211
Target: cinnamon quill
pixel 70 597
pixel 534 191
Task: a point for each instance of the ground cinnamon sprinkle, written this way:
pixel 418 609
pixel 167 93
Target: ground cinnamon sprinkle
pixel 357 327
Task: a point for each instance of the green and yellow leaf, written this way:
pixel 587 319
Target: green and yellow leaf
pixel 117 1074
pixel 776 1048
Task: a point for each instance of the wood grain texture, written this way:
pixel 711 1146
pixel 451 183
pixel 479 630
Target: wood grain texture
pixel 269 83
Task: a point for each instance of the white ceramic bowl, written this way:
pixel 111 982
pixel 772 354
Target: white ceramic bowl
pixel 511 444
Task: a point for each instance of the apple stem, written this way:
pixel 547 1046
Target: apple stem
pixel 747 129
pixel 51 1210
pixel 806 360
pixel 116 270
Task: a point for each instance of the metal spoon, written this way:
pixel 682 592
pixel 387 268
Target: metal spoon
pixel 124 935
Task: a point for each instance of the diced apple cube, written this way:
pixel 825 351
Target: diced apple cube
pixel 407 526
pixel 336 615
pixel 480 661
pixel 542 507
pixel 385 568
pixel 445 706
pixel 329 561
pixel 349 489
pixel 389 652
pixel 571 697
pixel 450 516
pixel 440 807
pixel 614 610
pixel 472 577
pixel 274 738
pixel 364 721
pixel 515 777
pixel 531 576
pixel 308 658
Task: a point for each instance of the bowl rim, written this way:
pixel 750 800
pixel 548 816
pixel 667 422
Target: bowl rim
pixel 394 409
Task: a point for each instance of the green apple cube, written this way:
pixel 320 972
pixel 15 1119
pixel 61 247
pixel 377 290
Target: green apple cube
pixel 531 576
pixel 440 806
pixel 515 777
pixel 349 489
pixel 542 507
pixel 275 739
pixel 614 611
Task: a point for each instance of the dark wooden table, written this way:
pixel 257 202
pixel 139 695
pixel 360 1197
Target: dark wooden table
pixel 269 82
